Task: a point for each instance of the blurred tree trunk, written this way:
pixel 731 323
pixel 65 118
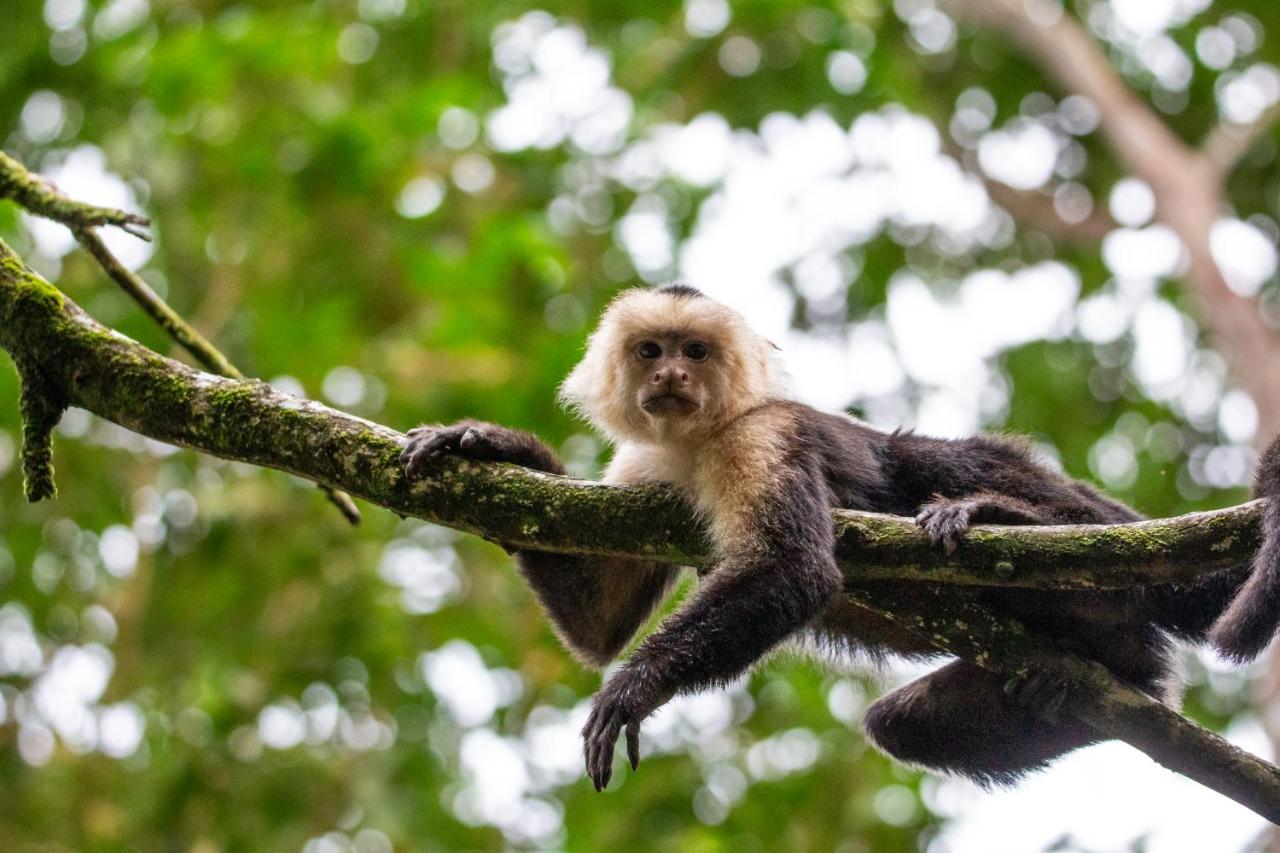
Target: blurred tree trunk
pixel 1189 186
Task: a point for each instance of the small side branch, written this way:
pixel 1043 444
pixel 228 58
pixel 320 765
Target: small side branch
pixel 171 321
pixel 1037 211
pixel 1226 144
pixel 1034 209
pixel 41 408
pixel 41 198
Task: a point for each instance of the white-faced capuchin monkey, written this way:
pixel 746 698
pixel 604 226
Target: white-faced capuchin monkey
pixel 691 396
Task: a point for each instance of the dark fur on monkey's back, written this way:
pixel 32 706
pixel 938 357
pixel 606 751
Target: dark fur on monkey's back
pixel 996 479
pixel 960 718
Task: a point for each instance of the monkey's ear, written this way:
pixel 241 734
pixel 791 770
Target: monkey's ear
pixel 575 390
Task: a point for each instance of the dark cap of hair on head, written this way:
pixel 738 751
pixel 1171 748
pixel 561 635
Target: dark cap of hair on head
pixel 681 291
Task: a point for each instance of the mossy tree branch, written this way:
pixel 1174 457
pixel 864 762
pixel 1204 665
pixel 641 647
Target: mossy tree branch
pixel 118 379
pixel 249 421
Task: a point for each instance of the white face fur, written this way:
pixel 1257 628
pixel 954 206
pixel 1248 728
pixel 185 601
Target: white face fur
pixel 670 366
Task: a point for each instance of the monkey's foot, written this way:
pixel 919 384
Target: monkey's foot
pixel 610 714
pixel 1043 693
pixel 945 521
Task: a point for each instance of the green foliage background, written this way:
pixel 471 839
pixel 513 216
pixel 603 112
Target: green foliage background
pixel 272 169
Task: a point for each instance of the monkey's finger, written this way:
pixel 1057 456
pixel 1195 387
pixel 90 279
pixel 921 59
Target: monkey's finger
pixel 604 764
pixel 593 772
pixel 423 448
pixel 633 744
pixel 588 754
pixel 591 749
pixel 593 762
pixel 605 736
pixel 589 727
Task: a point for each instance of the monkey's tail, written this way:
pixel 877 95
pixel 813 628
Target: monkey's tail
pixel 1245 628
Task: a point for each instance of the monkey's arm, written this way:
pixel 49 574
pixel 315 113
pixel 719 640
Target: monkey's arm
pixel 985 479
pixel 776 573
pixel 596 605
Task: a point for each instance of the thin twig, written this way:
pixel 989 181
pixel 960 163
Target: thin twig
pixel 177 328
pixel 1034 209
pixel 40 197
pixel 1226 145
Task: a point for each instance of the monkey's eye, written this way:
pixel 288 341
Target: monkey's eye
pixel 697 351
pixel 648 350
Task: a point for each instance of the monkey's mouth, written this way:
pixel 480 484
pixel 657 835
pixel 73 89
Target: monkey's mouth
pixel 668 404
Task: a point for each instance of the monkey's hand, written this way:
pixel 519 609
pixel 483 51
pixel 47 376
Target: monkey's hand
pixel 618 705
pixel 477 440
pixel 946 521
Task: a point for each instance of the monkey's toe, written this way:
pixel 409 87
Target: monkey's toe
pixel 1043 693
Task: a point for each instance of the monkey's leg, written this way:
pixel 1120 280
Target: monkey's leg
pixel 960 719
pixel 596 605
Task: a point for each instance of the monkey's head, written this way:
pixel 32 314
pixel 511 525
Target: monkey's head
pixel 670 363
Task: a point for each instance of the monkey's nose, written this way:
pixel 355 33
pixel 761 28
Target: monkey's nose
pixel 671 377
